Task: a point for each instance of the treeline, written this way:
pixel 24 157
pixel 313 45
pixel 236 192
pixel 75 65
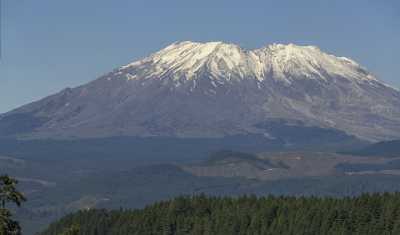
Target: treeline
pixel 367 214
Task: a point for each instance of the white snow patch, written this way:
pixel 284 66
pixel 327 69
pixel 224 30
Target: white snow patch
pixel 185 61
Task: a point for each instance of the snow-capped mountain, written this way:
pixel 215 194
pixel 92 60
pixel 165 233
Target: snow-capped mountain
pixel 192 89
pixel 186 60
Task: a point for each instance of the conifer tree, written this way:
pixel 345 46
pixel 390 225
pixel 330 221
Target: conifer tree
pixel 9 195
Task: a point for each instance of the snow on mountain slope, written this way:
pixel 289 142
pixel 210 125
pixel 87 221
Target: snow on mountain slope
pixel 192 89
pixel 187 59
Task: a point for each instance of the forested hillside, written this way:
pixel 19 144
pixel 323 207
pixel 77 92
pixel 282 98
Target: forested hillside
pixel 367 214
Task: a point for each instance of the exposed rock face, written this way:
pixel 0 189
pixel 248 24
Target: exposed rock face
pixel 216 89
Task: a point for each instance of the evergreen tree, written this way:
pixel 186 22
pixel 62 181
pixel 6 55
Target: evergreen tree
pixel 9 194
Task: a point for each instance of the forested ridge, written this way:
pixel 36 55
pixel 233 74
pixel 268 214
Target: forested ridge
pixel 367 214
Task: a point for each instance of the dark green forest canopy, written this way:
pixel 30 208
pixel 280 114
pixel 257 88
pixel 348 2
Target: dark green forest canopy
pixel 367 214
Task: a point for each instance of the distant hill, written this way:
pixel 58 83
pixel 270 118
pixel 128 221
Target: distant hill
pixel 384 149
pixel 367 214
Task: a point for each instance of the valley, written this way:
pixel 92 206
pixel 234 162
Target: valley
pixel 60 177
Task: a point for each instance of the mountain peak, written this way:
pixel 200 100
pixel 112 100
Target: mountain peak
pixel 187 60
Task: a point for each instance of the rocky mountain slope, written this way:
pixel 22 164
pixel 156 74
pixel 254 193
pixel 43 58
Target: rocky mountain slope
pixel 215 89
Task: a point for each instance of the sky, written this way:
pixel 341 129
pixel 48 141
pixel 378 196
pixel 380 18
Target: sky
pixel 49 45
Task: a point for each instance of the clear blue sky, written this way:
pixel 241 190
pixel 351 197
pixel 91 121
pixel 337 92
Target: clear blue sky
pixel 49 44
